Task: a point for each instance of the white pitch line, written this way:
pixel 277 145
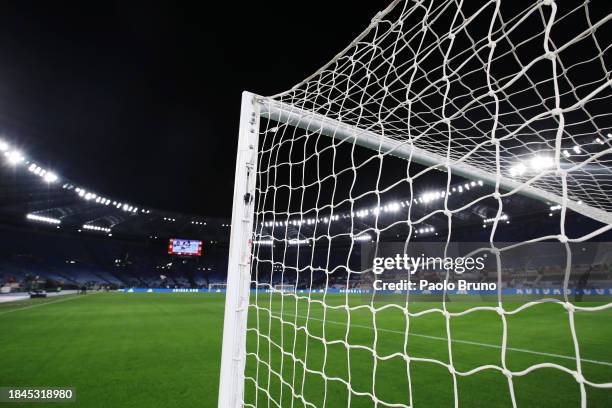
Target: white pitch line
pixel 41 304
pixel 473 343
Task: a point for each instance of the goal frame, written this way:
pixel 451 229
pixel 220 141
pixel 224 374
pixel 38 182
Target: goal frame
pixel 254 107
pixel 233 354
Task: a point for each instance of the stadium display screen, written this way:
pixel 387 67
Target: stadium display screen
pixel 186 247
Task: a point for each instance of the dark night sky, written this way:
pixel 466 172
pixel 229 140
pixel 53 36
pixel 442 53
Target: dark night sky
pixel 141 101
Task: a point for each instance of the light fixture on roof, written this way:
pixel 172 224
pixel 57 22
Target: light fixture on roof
pixel 425 230
pixel 14 156
pixel 503 217
pixel 541 162
pixel 40 218
pixel 92 227
pixel 362 237
pixel 518 170
pixel 50 177
pixel 264 242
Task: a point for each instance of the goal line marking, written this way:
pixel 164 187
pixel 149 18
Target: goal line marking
pixel 473 343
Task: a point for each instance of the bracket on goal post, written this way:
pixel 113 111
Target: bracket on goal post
pixel 233 356
pixel 314 122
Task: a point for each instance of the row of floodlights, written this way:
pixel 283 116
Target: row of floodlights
pixel 46 175
pixel 296 241
pixel 503 217
pixel 198 222
pixel 93 197
pixel 438 195
pixel 92 227
pixel 425 230
pixel 55 221
pixel 169 219
pixel 15 157
pixel 541 162
pixel 387 208
pixel 40 218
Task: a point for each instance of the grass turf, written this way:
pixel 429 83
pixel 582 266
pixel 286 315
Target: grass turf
pixel 163 350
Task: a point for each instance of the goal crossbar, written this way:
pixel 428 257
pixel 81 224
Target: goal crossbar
pixel 404 149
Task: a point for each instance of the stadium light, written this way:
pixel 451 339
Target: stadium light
pixel 50 177
pixel 503 217
pixel 541 162
pixel 362 237
pixel 3 146
pixel 40 218
pixel 14 156
pixel 518 170
pixel 264 242
pixel 92 227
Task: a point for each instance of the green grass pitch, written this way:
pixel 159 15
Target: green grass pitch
pixel 163 350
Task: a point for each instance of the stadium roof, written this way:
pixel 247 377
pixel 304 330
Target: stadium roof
pixel 31 194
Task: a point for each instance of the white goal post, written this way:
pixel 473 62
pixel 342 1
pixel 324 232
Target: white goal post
pixel 424 87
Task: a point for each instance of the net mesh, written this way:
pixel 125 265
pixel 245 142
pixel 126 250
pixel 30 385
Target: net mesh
pixel 518 90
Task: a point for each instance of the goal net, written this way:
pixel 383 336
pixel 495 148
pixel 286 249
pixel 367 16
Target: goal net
pixel 443 122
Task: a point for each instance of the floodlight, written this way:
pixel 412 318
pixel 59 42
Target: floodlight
pixel 518 169
pixel 50 177
pixel 541 162
pixel 14 156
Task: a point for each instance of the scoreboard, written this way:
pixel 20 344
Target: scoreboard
pixel 185 247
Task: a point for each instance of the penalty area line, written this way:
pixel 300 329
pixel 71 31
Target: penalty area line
pixel 473 343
